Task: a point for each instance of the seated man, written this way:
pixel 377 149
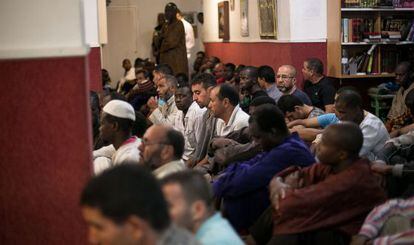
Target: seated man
pixel 142 91
pixel 238 145
pixel 327 200
pixel 224 103
pixel 163 110
pixel 286 83
pixel 294 108
pixel 243 185
pixel 389 223
pixel 116 124
pixel 188 119
pixel 191 203
pixel 404 76
pixel 318 87
pixel 249 86
pixel 267 81
pixel 161 150
pixel 125 205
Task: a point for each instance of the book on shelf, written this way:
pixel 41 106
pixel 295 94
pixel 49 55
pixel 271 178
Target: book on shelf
pixel 378 3
pixel 362 30
pixel 362 63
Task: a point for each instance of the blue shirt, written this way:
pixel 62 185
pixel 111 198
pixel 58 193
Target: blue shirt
pixel 274 92
pixel 217 230
pixel 327 119
pixel 302 96
pixel 244 185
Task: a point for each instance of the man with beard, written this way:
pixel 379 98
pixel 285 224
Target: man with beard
pixel 161 150
pixel 286 83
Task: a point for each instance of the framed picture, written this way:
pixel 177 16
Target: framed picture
pixel 244 18
pixel 223 20
pixel 267 18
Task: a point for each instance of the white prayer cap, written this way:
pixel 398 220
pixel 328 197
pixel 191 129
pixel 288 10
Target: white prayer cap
pixel 121 109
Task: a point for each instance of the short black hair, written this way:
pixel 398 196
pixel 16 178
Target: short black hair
pixel 124 124
pixel 164 69
pixel 125 190
pixel 267 73
pixel 194 186
pixel 346 136
pixel 182 80
pixel 176 140
pixel 227 91
pixel 288 102
pixel 146 73
pixel 202 53
pixel 252 72
pixel 231 66
pixel 140 125
pixel 315 65
pixel 269 117
pixel 345 88
pixel 261 100
pixel 350 99
pixel 205 79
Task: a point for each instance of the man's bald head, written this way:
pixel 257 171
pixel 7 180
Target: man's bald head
pixel 346 136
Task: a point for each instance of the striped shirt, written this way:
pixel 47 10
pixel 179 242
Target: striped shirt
pixel 380 215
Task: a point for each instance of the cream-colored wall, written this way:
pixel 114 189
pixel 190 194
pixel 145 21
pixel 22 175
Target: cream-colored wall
pixel 298 20
pixel 41 28
pixel 147 11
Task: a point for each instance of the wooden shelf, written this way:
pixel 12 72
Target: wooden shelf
pixel 376 9
pixel 384 75
pixel 379 43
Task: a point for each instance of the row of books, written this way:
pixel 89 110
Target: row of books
pixel 362 63
pixel 378 3
pixel 362 30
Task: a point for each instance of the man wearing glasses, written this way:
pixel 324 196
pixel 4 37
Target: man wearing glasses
pixel 286 83
pixel 161 150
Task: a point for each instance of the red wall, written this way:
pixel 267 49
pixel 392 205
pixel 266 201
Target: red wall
pixel 273 54
pixel 94 65
pixel 45 153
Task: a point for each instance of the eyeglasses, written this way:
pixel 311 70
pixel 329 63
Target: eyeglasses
pixel 284 77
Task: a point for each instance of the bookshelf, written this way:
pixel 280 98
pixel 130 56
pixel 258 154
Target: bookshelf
pixel 366 41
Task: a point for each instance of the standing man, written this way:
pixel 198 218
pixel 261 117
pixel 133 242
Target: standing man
pixel 189 34
pixel 286 83
pixel 317 86
pixel 173 50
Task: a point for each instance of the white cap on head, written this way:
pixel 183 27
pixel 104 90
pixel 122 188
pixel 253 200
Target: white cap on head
pixel 119 108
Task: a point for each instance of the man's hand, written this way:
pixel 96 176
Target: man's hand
pixel 277 191
pixel 381 168
pixel 360 240
pixel 152 103
pixel 294 180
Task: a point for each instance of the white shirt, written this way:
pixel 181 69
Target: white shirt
pixel 238 120
pixel 190 127
pixel 165 114
pixel 107 156
pixel 130 75
pixel 375 136
pixel 169 168
pixel 189 37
